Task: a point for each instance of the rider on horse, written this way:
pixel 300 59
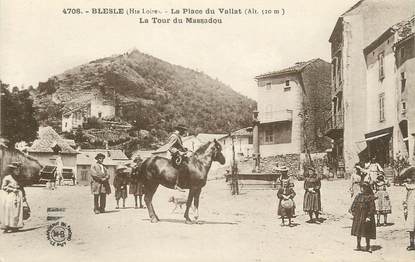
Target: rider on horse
pixel 177 150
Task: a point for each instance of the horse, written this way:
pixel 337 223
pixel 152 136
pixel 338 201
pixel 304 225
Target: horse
pixel 158 170
pixel 30 166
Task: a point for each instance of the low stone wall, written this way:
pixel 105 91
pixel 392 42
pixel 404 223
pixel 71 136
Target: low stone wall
pixel 294 162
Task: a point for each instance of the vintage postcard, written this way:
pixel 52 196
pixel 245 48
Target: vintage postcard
pixel 211 130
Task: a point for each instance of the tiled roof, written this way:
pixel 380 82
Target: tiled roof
pixel 403 30
pixel 70 142
pixel 48 138
pixel 298 67
pixel 242 132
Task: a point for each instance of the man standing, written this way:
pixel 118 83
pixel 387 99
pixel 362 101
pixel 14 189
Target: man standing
pixel 100 186
pixel 176 149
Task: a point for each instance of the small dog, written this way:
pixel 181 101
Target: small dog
pixel 178 202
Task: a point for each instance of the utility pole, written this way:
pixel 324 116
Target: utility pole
pixel 255 136
pixel 234 170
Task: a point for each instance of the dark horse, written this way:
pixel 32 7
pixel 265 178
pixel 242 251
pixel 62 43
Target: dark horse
pixel 30 169
pixel 157 171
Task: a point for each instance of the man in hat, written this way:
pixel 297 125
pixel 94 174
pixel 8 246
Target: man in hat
pixel 100 186
pixel 176 148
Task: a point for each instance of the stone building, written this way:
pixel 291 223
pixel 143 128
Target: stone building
pixel 389 101
pixel 97 107
pixel 292 104
pixel 354 30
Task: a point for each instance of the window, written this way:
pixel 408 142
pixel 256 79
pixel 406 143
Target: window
pixel 250 140
pixel 269 135
pixel 339 69
pixel 66 124
pixel 403 104
pixel 268 86
pixel 381 65
pixel 382 107
pixel 402 53
pixel 287 86
pixel 99 114
pixel 403 82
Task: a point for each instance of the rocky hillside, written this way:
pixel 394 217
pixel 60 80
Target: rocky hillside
pixel 148 92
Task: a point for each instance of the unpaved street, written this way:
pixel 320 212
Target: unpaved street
pixel 232 228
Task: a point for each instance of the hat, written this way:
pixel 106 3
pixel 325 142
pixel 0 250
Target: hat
pixel 100 155
pixel 281 168
pixel 181 126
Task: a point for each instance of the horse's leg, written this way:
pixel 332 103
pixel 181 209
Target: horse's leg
pixel 196 203
pixel 188 204
pixel 148 198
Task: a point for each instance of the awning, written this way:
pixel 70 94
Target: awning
pixel 376 137
pixel 372 138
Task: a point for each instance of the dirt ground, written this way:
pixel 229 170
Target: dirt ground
pixel 232 228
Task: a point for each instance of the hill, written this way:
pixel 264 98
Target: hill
pixel 149 93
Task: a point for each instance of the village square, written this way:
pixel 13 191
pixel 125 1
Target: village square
pixel 129 157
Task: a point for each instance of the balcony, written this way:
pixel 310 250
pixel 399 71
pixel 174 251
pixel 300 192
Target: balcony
pixel 334 126
pixel 276 116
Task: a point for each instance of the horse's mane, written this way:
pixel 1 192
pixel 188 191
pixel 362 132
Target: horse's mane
pixel 203 148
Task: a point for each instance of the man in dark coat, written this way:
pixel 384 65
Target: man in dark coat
pixel 176 149
pixel 100 186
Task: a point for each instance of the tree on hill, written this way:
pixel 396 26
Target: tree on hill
pixel 18 122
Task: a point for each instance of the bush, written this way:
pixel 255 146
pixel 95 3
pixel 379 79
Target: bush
pixel 93 122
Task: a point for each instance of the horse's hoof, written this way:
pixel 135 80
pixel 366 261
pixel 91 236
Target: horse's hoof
pixel 189 222
pixel 154 220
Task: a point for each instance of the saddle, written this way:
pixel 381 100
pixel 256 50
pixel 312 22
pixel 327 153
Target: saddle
pixel 179 159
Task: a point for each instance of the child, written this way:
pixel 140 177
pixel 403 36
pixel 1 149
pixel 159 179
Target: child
pixel 286 204
pixel 409 211
pixel 120 185
pixel 356 179
pixel 382 202
pixel 363 211
pixel 312 198
pixel 136 186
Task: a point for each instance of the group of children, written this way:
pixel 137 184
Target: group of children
pixel 369 190
pixel 286 194
pixel 370 198
pixel 124 179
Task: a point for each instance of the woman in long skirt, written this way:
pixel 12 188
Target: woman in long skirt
pixel 12 196
pixel 312 199
pixel 409 211
pixel 363 211
pixel 286 203
pixel 382 201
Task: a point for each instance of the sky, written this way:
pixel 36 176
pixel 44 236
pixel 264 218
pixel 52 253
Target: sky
pixel 37 40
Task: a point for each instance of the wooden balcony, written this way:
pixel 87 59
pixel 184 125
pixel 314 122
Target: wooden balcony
pixel 334 126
